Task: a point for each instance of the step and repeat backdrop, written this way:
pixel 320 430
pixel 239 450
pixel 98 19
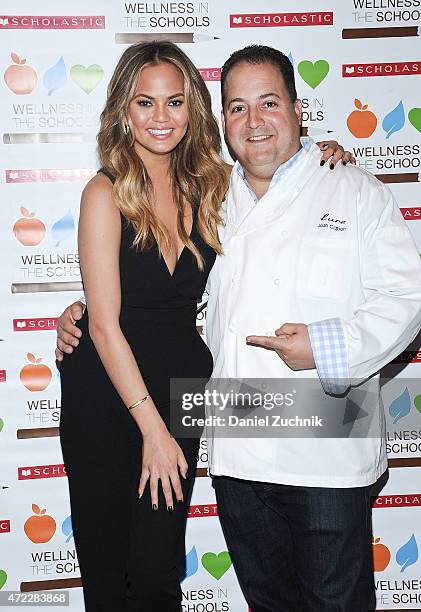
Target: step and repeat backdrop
pixel 357 65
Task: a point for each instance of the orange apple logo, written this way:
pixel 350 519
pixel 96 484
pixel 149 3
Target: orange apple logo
pixel 381 556
pixel 35 376
pixel 361 122
pixel 28 230
pixel 20 78
pixel 39 527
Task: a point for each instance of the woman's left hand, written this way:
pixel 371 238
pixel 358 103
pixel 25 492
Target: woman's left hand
pixel 334 152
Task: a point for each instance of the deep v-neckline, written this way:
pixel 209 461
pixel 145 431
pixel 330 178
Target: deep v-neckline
pixel 162 258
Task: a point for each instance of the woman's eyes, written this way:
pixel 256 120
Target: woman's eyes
pixel 147 103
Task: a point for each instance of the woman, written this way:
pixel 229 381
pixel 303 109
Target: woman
pixel 146 244
pixel 146 247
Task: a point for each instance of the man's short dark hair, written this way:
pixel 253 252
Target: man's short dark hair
pixel 261 54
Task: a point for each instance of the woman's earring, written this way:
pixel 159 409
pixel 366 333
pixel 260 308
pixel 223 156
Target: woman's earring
pixel 126 128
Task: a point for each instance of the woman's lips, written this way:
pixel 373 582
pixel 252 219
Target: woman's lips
pixel 160 134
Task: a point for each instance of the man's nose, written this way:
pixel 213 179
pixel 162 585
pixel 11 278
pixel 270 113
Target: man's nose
pixel 254 118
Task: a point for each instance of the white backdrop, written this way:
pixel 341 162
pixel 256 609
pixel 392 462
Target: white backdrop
pixel 357 65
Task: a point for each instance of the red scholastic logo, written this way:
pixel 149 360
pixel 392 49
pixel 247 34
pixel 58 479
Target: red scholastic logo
pixel 210 74
pixel 2 376
pixel 52 22
pixel 48 175
pixel 411 214
pixel 40 324
pixel 203 510
pixel 397 501
pixel 273 20
pixel 381 69
pixel 5 526
pixel 408 357
pixel 32 472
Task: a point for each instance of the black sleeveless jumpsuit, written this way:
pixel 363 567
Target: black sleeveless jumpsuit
pixel 131 557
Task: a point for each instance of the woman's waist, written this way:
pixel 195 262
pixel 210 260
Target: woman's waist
pixel 140 316
pixel 147 320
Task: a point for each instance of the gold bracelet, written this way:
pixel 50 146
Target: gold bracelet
pixel 138 402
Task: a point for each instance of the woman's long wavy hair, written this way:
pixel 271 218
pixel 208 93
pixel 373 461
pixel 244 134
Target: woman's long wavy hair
pixel 199 175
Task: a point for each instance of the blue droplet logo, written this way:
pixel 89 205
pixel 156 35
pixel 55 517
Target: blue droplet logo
pixel 67 527
pixel 63 228
pixel 192 563
pixel 400 407
pixel 407 554
pixel 394 121
pixel 55 77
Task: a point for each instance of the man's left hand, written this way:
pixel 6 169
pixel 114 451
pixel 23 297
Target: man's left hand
pixel 291 342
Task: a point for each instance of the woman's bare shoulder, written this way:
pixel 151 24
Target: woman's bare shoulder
pixel 98 191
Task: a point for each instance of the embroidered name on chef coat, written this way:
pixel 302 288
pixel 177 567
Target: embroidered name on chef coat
pixel 330 222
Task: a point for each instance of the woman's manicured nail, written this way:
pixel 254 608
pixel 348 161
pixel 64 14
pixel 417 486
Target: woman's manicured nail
pixel 332 166
pixel 322 163
pixel 170 508
pixel 154 507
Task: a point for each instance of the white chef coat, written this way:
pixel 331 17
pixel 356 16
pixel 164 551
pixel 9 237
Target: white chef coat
pixel 320 244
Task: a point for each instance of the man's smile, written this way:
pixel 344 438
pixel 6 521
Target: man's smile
pixel 261 138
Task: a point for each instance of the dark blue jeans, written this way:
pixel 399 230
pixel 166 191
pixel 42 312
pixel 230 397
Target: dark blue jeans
pixel 298 549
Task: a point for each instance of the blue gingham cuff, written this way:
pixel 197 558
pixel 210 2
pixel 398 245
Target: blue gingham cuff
pixel 328 343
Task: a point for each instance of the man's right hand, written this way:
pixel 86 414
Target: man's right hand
pixel 67 332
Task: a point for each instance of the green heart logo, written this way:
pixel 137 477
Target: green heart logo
pixel 87 78
pixel 3 578
pixel 417 402
pixel 1 423
pixel 216 565
pixel 313 74
pixel 414 117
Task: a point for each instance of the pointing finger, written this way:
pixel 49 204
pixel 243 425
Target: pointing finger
pixel 265 341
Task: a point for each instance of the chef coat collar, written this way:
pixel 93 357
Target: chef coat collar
pixel 244 214
pixel 305 144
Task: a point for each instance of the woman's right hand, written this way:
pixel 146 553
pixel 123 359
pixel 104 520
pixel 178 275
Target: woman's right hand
pixel 67 333
pixel 162 458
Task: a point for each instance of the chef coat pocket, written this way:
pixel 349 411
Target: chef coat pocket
pixel 323 269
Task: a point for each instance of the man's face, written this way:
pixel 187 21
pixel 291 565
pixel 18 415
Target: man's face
pixel 260 123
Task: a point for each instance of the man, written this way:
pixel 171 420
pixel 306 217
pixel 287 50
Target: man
pixel 330 250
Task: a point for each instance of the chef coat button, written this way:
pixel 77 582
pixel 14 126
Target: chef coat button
pixel 231 328
pixel 284 233
pixel 233 280
pixel 277 281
